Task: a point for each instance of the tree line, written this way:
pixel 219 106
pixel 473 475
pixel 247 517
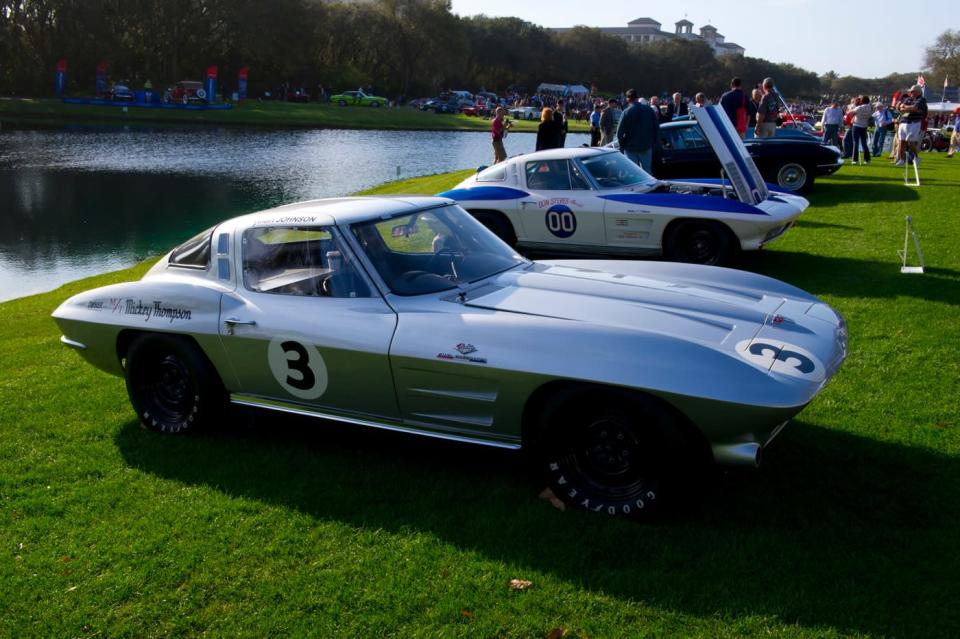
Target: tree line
pixel 408 48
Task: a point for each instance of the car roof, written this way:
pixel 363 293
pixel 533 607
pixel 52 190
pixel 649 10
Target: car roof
pixel 565 153
pixel 343 210
pixel 676 124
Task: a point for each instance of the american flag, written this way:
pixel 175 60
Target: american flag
pixel 920 80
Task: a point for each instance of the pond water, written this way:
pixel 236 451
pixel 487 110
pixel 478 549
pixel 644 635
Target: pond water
pixel 83 201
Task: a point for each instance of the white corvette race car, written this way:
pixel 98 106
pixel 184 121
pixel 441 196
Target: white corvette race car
pixel 595 200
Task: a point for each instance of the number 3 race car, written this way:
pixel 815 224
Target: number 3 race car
pixel 595 200
pixel 407 314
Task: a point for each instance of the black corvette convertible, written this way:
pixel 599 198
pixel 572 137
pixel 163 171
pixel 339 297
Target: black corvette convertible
pixel 790 162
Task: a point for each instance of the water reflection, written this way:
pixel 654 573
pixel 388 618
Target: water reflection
pixel 84 201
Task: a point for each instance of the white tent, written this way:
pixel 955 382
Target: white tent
pixel 563 89
pixel 942 107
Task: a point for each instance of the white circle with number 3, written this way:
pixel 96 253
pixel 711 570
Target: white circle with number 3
pixel 298 367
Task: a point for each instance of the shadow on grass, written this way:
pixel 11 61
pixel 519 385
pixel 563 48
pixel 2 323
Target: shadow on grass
pixel 808 224
pixel 842 189
pixel 847 277
pixel 836 531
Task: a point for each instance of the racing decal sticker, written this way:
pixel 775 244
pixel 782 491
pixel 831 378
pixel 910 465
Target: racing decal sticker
pixel 553 201
pixel 154 310
pixel 288 219
pixel 561 221
pixel 781 357
pixel 298 367
pixel 465 353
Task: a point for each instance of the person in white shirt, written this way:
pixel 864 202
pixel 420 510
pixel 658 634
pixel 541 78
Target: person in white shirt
pixel 861 120
pixel 832 119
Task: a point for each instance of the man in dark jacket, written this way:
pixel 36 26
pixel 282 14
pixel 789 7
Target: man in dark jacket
pixel 638 132
pixel 677 107
pixel 734 103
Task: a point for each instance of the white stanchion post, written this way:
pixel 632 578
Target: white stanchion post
pixel 906 247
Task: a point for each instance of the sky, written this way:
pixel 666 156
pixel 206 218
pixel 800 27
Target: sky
pixel 861 39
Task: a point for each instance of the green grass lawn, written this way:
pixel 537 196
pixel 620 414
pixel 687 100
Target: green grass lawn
pixel 254 114
pixel 289 527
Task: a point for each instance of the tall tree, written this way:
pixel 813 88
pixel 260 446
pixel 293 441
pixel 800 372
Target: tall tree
pixel 943 57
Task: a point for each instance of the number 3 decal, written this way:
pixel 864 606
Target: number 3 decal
pixel 298 367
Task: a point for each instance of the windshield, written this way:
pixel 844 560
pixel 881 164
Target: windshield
pixel 614 171
pixel 432 251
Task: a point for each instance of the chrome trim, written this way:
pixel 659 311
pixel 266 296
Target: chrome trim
pixel 295 409
pixel 485 422
pixel 467 395
pixel 66 341
pixel 737 454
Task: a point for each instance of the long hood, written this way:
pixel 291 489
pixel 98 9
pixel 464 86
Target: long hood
pixel 721 309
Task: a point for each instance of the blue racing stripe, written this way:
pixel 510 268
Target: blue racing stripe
pixel 715 114
pixel 484 193
pixel 686 201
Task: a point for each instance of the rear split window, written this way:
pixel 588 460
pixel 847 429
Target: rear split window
pixel 194 253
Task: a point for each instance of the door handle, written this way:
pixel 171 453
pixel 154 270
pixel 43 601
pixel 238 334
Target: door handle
pixel 233 322
pixel 523 204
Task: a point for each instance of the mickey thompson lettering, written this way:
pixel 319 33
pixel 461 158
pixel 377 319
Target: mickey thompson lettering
pixel 156 310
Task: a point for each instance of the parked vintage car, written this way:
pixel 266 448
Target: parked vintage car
pixel 792 162
pixel 595 200
pixel 298 95
pixel 525 113
pixel 357 98
pixel 121 93
pixel 186 92
pixel 406 314
pixel 441 105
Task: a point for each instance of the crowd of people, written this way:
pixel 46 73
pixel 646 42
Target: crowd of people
pixel 634 121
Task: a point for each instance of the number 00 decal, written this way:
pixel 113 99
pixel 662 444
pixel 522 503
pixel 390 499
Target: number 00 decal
pixel 561 221
pixel 298 367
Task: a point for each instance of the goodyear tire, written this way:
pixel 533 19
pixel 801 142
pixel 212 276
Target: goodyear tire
pixel 699 242
pixel 616 452
pixel 172 386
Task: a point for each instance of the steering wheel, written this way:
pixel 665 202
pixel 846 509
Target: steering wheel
pixel 446 260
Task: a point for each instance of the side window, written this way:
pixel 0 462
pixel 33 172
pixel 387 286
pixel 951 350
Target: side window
pixel 672 139
pixel 694 138
pixel 304 261
pixel 194 253
pixel 554 175
pixel 496 173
